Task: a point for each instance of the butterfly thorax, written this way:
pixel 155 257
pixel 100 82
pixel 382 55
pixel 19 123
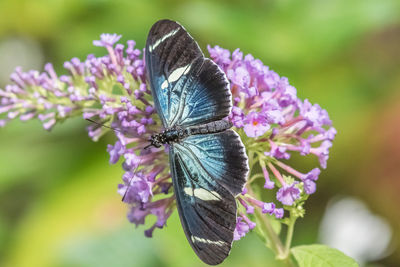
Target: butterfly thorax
pixel 178 133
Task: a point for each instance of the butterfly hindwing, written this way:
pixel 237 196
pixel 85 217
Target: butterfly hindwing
pixel 187 88
pixel 207 214
pixel 205 190
pixel 222 155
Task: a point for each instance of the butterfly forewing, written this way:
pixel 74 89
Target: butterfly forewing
pixel 206 98
pixel 187 88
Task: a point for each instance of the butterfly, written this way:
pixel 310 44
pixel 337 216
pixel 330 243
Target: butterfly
pixel 208 161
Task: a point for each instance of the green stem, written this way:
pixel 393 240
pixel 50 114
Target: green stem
pixel 273 240
pixel 289 235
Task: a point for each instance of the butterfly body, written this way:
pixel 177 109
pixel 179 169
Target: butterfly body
pixel 168 136
pixel 208 161
pixel 176 134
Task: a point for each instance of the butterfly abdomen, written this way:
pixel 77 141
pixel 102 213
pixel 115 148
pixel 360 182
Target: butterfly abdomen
pixel 211 127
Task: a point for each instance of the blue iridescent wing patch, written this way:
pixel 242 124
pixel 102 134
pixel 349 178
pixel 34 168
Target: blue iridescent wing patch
pixel 188 89
pixel 208 168
pixel 222 155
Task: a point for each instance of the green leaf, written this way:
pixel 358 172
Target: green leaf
pixel 320 255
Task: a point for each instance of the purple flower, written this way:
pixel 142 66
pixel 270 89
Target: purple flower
pixel 322 152
pixel 288 96
pixel 249 208
pixel 265 207
pixel 265 104
pixel 268 183
pixel 131 160
pixel 309 186
pixel 255 125
pixel 107 39
pixel 314 114
pixel 274 121
pixel 219 55
pixel 268 208
pixel 251 224
pixel 279 213
pixel 48 125
pixel 330 134
pixel 115 152
pixel 273 111
pixel 236 55
pixel 312 175
pixel 237 117
pixel 137 214
pixel 278 152
pixel 240 77
pixel 160 209
pixel 241 229
pixel 136 188
pixel 288 194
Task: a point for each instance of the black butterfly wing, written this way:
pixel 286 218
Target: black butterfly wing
pixel 187 88
pixel 207 172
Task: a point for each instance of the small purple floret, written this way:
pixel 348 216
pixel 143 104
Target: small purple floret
pixel 107 39
pixel 268 208
pixel 241 229
pixel 288 194
pixel 279 213
pixel 255 125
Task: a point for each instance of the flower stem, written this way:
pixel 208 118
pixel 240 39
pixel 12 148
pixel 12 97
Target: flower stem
pixel 289 235
pixel 273 240
pixel 276 173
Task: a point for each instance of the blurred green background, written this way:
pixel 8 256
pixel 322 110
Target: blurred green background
pixel 58 200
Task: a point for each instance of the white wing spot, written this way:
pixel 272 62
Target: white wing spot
pixel 188 191
pixel 162 39
pixel 206 241
pixel 202 194
pixel 175 75
pixel 206 195
pixel 164 85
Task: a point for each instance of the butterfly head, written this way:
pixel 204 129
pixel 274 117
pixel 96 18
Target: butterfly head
pixel 168 136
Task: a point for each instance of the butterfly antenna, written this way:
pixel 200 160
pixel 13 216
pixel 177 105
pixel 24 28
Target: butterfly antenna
pixel 129 183
pixel 117 130
pixel 130 180
pixel 149 145
pixel 134 172
pixel 105 126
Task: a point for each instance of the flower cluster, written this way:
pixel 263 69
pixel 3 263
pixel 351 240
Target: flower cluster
pixel 111 91
pixel 275 123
